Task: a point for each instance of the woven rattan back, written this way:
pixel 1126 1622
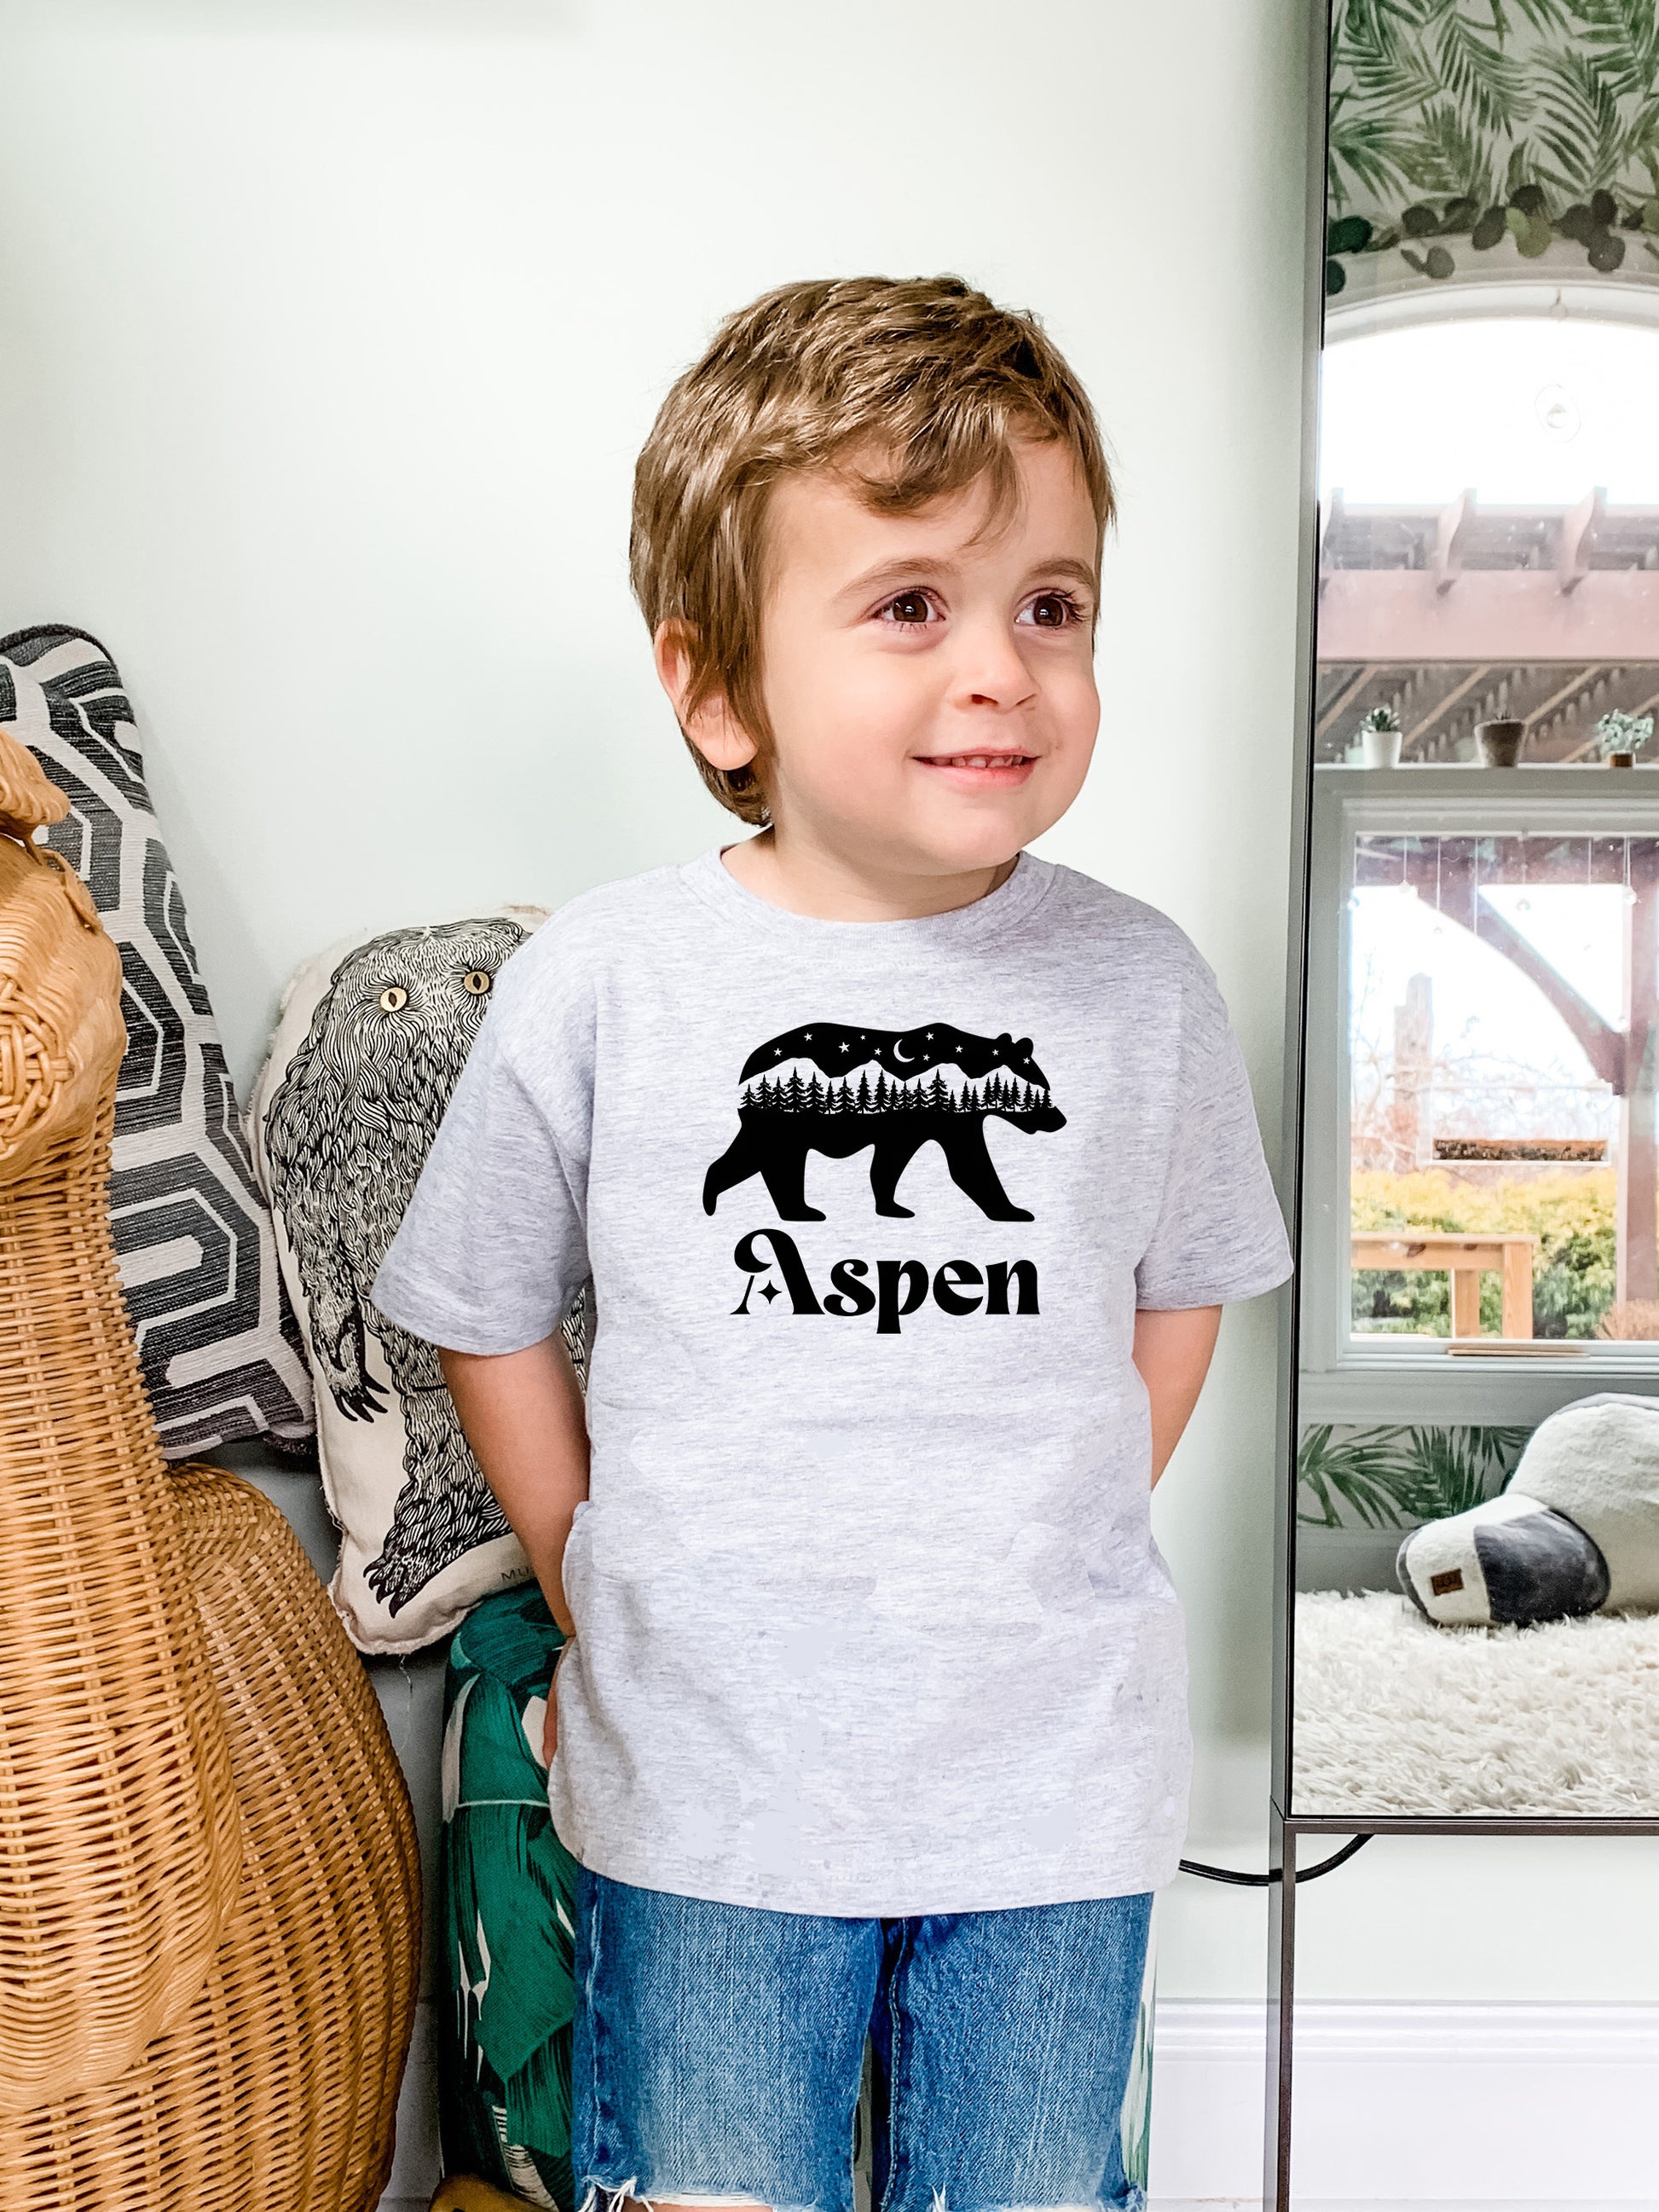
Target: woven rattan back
pixel 277 2093
pixel 120 1836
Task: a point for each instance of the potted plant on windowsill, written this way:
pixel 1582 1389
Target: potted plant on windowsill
pixel 1621 736
pixel 1497 744
pixel 1380 739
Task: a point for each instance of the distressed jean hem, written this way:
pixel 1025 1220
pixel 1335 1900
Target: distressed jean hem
pixel 1132 2199
pixel 620 2194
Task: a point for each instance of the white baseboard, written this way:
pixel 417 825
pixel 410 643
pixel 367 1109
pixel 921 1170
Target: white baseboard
pixel 1434 2104
pixel 1505 2107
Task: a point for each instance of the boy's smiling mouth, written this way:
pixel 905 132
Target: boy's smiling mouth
pixel 1002 769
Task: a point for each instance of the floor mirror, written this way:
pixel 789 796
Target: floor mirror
pixel 1468 1563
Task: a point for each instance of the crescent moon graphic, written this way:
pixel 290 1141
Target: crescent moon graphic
pixel 899 1059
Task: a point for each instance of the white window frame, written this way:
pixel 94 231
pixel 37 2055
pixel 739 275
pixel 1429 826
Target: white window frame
pixel 1349 1379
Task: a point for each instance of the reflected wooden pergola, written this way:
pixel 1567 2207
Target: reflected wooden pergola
pixel 1452 874
pixel 1451 615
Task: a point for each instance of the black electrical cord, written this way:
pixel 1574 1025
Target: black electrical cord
pixel 1267 1880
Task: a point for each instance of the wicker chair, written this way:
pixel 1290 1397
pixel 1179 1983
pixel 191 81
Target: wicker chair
pixel 208 1887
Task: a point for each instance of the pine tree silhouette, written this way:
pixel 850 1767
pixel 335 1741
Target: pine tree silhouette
pixel 997 1094
pixel 826 1075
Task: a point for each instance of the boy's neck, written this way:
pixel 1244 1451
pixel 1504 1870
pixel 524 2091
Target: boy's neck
pixel 793 873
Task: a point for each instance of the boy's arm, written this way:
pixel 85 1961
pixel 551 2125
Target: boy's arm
pixel 522 1412
pixel 1172 1350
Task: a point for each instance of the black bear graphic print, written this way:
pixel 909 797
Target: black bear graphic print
pixel 831 1089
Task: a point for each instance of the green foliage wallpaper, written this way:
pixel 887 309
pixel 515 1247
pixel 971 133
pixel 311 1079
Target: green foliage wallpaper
pixel 1394 1478
pixel 1471 136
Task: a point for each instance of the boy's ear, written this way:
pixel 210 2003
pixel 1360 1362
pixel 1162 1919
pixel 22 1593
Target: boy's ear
pixel 710 724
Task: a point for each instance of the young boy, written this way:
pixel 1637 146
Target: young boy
pixel 911 1174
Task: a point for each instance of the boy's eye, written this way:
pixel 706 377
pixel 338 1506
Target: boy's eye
pixel 1053 610
pixel 910 608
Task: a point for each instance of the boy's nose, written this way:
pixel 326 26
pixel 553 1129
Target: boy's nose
pixel 989 671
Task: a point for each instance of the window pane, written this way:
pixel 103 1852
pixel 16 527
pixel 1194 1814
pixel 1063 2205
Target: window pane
pixel 1502 1096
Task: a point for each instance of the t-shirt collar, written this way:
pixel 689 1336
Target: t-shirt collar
pixel 708 879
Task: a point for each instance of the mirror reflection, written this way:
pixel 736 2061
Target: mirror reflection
pixel 1477 1618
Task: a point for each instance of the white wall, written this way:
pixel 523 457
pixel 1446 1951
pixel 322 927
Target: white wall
pixel 332 332
pixel 332 327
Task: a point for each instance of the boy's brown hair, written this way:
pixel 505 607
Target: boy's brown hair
pixel 924 380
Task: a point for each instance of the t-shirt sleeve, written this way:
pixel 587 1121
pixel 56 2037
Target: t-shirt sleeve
pixel 1220 1235
pixel 492 1248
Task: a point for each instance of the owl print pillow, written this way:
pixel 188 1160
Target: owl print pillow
pixel 369 1044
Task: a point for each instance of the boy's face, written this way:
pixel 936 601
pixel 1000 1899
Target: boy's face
pixel 929 680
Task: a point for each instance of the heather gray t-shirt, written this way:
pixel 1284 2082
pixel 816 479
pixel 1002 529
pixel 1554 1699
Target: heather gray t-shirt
pixel 871 1619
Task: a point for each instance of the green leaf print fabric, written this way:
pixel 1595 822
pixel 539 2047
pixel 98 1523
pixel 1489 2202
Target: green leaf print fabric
pixel 508 1905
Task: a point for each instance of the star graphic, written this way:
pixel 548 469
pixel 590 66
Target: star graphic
pixel 768 1291
pixel 845 1048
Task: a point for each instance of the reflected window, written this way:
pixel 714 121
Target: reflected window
pixel 1489 537
pixel 1501 1003
pixel 1484 940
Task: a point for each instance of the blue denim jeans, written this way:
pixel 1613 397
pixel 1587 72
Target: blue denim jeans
pixel 718 2051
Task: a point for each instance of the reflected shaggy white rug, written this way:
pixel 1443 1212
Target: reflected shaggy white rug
pixel 1396 1715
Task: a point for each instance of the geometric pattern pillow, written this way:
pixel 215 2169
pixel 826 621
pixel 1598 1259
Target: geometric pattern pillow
pixel 507 1909
pixel 220 1350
